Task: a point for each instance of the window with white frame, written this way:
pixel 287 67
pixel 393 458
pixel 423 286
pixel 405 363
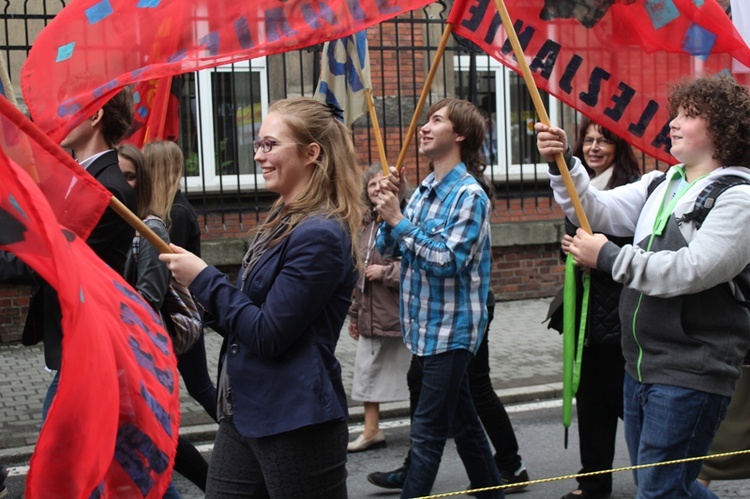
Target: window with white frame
pixel 510 145
pixel 225 106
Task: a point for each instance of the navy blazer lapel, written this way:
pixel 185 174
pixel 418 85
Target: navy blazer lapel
pixel 269 253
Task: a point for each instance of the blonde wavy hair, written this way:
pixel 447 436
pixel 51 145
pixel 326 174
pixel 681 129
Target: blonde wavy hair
pixel 335 188
pixel 165 165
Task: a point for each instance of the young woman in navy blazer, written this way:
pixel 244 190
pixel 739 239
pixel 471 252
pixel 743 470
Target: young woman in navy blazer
pixel 282 406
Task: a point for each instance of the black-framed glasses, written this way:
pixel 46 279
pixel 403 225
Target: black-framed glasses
pixel 267 145
pixel 602 141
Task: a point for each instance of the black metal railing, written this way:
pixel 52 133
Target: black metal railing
pixel 222 183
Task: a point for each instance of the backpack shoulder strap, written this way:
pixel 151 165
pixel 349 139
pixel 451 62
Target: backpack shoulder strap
pixel 655 182
pixel 703 204
pixel 707 198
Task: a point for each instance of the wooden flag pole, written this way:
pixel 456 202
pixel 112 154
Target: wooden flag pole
pixel 373 116
pixel 135 222
pixel 376 131
pixel 371 109
pixel 541 111
pixel 423 96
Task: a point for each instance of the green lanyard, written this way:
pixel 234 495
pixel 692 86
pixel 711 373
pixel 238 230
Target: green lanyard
pixel 665 212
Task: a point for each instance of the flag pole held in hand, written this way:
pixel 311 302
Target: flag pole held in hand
pixel 541 111
pixel 423 96
pixel 135 222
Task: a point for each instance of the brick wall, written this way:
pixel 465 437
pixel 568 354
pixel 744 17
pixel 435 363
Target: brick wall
pixel 518 272
pixel 523 272
pixel 525 252
pixel 13 304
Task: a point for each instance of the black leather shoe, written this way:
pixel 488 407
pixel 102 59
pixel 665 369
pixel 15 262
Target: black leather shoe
pixel 3 476
pixel 389 479
pixel 518 476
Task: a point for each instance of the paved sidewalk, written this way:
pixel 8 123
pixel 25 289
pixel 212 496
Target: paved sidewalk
pixel 525 364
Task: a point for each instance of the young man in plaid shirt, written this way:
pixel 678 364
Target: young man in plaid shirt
pixel 443 237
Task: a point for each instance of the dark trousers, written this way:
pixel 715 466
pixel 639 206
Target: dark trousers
pixel 489 408
pixel 445 410
pixel 599 406
pixel 308 462
pixel 193 367
pixel 189 462
pixel 491 411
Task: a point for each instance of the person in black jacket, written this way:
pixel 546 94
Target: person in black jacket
pixel 155 184
pixel 193 366
pixel 611 162
pixel 166 157
pixel 92 144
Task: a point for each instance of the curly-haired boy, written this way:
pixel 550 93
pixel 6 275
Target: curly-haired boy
pixel 685 332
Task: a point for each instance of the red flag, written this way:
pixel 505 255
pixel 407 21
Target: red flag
pixel 94 47
pixel 112 428
pixel 157 111
pixel 77 199
pixel 740 13
pixel 612 61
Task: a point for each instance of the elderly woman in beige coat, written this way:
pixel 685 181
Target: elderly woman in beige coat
pixel 382 358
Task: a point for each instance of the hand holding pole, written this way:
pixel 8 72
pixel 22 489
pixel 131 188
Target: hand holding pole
pixel 541 111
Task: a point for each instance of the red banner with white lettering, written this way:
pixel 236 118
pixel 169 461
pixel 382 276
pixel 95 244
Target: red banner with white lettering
pixel 112 428
pixel 94 47
pixel 612 61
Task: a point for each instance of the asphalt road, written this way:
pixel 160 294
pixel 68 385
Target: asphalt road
pixel 540 435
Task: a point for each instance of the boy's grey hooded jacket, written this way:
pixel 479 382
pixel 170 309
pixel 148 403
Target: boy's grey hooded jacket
pixel 682 325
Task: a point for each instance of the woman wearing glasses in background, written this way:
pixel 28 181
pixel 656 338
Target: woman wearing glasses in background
pixel 282 406
pixel 611 163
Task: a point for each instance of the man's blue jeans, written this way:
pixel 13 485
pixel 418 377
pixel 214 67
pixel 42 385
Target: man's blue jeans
pixel 50 396
pixel 663 423
pixel 445 410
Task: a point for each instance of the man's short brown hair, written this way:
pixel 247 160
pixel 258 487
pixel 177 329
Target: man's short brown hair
pixel 118 116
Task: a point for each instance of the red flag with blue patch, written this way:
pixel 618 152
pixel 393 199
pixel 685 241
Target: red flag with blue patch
pixel 611 60
pixel 92 48
pixel 77 199
pixel 112 428
pixel 156 111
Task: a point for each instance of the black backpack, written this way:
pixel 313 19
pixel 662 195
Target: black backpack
pixel 705 200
